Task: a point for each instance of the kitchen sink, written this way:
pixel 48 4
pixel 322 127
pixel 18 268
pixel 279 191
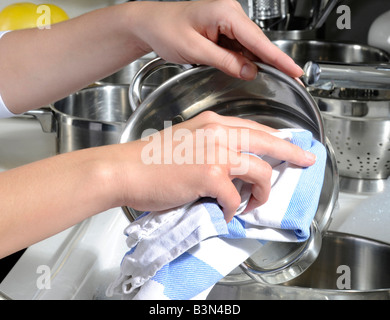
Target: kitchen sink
pixel 81 261
pixel 348 267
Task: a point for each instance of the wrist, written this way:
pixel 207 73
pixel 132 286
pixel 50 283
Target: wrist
pixel 134 24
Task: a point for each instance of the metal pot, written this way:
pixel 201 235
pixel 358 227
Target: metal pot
pixel 348 267
pixel 303 51
pixel 273 99
pixel 88 118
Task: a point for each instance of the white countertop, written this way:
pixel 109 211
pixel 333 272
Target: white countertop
pixel 84 259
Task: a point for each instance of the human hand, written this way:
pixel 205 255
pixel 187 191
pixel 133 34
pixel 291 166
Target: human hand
pixel 168 182
pixel 211 32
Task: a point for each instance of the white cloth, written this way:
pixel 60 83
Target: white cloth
pixel 182 253
pixel 4 112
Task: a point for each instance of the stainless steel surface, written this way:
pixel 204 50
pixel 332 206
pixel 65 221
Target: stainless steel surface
pixel 348 267
pixel 303 51
pixel 268 13
pixel 356 120
pixel 149 70
pixel 328 76
pixel 150 82
pixel 3 296
pixel 126 74
pixel 323 14
pixel 358 124
pixel 306 34
pixel 95 257
pixel 290 15
pixel 273 99
pixel 266 267
pixel 204 88
pixel 88 118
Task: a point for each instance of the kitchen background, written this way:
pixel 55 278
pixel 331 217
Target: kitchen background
pixel 363 13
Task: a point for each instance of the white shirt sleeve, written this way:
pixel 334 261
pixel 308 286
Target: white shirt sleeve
pixel 4 112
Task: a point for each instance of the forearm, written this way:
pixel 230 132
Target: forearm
pixel 43 198
pixel 38 67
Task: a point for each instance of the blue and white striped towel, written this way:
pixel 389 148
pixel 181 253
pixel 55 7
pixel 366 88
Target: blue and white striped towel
pixel 182 253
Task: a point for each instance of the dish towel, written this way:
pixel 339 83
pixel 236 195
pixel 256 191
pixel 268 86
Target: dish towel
pixel 182 253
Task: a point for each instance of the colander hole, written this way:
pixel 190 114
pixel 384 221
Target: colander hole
pixel 380 144
pixel 358 143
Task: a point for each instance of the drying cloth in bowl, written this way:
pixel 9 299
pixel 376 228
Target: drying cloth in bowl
pixel 182 253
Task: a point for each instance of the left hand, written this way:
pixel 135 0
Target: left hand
pixel 211 32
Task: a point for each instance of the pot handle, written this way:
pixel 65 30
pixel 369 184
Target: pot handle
pixel 146 71
pixel 45 117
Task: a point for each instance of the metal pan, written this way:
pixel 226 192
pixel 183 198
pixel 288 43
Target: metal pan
pixel 273 99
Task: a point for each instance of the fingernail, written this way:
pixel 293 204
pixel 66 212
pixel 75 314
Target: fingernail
pixel 310 156
pixel 300 70
pixel 248 72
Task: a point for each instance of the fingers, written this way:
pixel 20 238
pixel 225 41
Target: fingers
pixel 263 143
pixel 246 42
pixel 256 42
pixel 252 38
pixel 251 136
pixel 227 60
pixel 209 117
pixel 236 135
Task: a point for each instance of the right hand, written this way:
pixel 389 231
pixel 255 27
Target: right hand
pixel 164 186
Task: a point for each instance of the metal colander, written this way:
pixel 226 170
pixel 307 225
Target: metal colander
pixel 357 123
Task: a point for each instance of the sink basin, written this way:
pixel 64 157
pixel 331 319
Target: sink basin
pixel 348 267
pixel 84 259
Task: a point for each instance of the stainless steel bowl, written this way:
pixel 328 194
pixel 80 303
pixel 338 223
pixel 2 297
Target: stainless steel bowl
pixel 348 267
pixel 273 99
pixel 303 51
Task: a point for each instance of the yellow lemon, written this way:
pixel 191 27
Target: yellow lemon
pixel 25 15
